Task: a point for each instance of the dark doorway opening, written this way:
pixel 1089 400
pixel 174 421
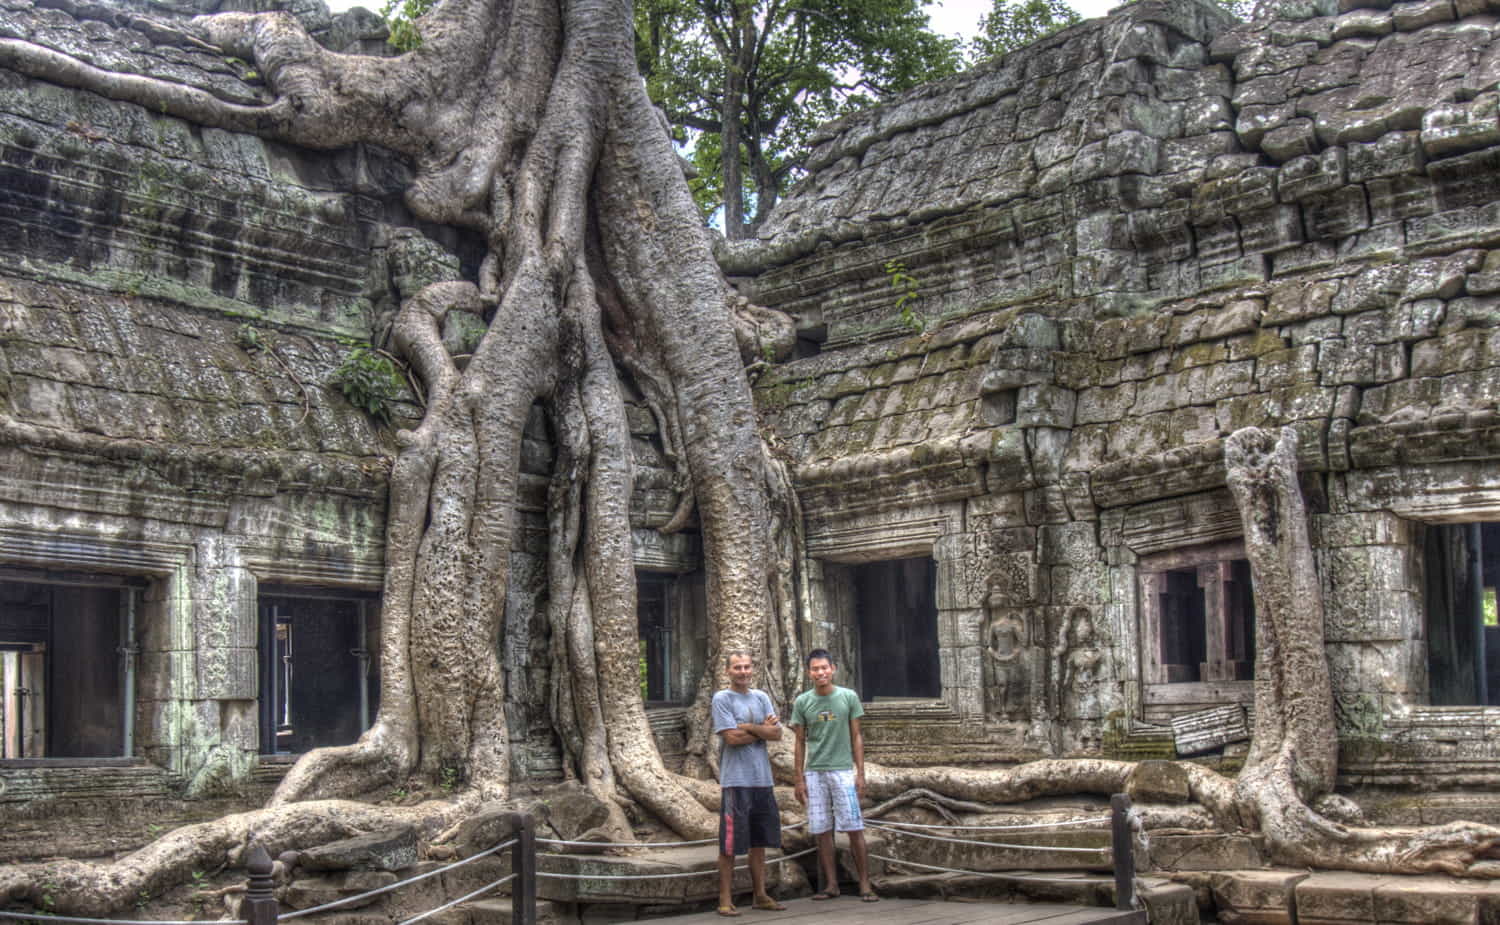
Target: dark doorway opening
pixel 896 611
pixel 657 624
pixel 318 681
pixel 1205 618
pixel 1461 568
pixel 1184 646
pixel 63 667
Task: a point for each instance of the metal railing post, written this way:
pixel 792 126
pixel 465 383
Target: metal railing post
pixel 523 865
pixel 1121 846
pixel 260 906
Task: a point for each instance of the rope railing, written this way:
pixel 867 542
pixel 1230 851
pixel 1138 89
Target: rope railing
pixel 985 844
pixel 643 844
pixel 260 906
pixel 668 876
pixel 462 899
pixel 391 887
pixel 996 874
pixel 1096 820
pixel 80 920
pixel 1122 822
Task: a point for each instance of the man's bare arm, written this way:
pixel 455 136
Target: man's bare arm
pixel 770 730
pixel 736 736
pixel 857 745
pixel 799 756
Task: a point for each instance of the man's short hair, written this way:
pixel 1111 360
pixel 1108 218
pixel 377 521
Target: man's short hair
pixel 738 653
pixel 820 653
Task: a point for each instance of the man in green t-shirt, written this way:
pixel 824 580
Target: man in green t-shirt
pixel 831 770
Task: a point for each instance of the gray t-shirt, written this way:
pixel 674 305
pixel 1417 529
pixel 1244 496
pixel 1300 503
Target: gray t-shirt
pixel 742 765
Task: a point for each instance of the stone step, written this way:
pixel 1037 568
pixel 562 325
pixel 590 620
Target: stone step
pixel 1061 849
pixel 599 878
pixel 1285 897
pixel 498 911
pixel 1168 903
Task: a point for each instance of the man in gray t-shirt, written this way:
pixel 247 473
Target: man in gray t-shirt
pixel 749 822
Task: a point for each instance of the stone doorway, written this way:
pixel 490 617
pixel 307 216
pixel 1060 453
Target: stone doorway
pixel 1461 569
pixel 318 681
pixel 896 614
pixel 63 667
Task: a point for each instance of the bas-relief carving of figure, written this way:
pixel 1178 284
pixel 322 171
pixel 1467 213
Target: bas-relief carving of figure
pixel 1079 664
pixel 1004 645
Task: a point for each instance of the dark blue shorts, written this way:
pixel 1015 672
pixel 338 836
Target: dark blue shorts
pixel 748 818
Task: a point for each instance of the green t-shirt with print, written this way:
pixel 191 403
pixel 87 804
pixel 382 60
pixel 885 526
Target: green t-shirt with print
pixel 824 722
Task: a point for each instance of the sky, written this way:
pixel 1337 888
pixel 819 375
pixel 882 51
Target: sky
pixel 961 17
pixel 949 17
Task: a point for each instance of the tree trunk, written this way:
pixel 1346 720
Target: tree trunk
pixel 526 121
pixel 1293 756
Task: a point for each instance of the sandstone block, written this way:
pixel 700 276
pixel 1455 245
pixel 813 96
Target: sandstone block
pixel 1337 899
pixel 390 850
pixel 1204 852
pixel 1464 350
pixel 1296 300
pixel 1105 404
pixel 1336 215
pixel 1310 175
pixel 1295 138
pixel 1450 128
pixel 1158 782
pixel 1273 229
pixel 1286 367
pixel 1362 24
pixel 1416 14
pixel 1170 903
pixel 1255 120
pixel 1256 897
pixel 1389 155
pixel 307 892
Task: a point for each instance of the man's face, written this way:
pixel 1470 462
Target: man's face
pixel 741 668
pixel 821 672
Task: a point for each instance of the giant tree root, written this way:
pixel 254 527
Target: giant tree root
pixel 69 887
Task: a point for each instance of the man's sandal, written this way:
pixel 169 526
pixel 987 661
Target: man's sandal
pixel 767 904
pixel 824 894
pixel 729 912
pixel 868 896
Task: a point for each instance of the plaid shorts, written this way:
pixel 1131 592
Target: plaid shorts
pixel 832 802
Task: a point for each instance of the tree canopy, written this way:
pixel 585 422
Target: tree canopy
pixel 746 81
pixel 1009 26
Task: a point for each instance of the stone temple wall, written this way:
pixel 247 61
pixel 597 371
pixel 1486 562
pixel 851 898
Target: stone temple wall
pixel 1126 242
pixel 1120 245
pixel 175 303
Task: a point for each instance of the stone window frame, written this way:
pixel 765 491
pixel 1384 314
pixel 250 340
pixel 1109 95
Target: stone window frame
pixel 1158 689
pixel 166 566
pixel 368 603
pixel 936 532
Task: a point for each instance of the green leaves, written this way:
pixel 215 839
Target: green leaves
pixel 1011 25
pixel 766 72
pixel 401 16
pixel 369 381
pixel 907 294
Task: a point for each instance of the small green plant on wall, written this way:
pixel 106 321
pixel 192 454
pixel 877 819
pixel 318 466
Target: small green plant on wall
pixel 370 382
pixel 907 294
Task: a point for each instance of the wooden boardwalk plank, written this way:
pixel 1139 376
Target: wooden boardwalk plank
pixel 850 911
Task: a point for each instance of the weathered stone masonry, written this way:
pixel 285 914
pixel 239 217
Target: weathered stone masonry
pixel 1129 240
pixel 176 301
pixel 1124 242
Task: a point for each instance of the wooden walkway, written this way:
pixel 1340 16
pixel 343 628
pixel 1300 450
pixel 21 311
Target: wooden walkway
pixel 850 911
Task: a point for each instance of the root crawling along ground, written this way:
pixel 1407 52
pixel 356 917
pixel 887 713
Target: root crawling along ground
pixel 526 122
pixel 1293 756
